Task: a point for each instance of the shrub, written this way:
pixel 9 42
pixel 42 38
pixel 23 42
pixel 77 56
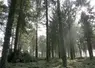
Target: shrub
pixel 21 57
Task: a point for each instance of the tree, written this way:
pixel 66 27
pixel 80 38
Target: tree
pixel 86 23
pixel 18 26
pixel 87 31
pixel 38 10
pixel 8 34
pixel 23 19
pixel 69 18
pixel 53 32
pixel 47 38
pixel 42 45
pixel 61 40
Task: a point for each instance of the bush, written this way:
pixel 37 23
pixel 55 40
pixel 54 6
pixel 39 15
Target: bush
pixel 10 56
pixel 21 57
pixel 27 58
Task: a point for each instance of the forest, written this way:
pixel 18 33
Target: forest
pixel 47 33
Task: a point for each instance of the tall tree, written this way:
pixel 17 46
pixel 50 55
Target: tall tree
pixel 53 32
pixel 61 40
pixel 23 14
pixel 38 10
pixel 47 38
pixel 87 31
pixel 8 34
pixel 70 14
pixel 18 26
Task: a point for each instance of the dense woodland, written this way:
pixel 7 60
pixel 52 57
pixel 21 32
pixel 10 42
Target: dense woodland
pixel 69 41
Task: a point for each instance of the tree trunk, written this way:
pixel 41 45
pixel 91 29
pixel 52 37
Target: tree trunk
pixel 16 47
pixel 47 38
pixel 52 49
pixel 71 44
pixel 19 41
pixel 36 54
pixel 87 33
pixel 80 51
pixel 18 27
pixel 37 9
pixel 72 53
pixel 90 48
pixel 8 34
pixel 61 39
pixel 59 50
pixel 17 34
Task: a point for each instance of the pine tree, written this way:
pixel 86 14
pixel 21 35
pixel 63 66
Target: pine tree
pixel 8 34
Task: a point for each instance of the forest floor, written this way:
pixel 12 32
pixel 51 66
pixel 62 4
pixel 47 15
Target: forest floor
pixel 55 63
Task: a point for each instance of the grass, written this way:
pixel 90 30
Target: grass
pixel 56 63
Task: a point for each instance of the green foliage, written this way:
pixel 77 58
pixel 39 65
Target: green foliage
pixel 21 57
pixel 26 57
